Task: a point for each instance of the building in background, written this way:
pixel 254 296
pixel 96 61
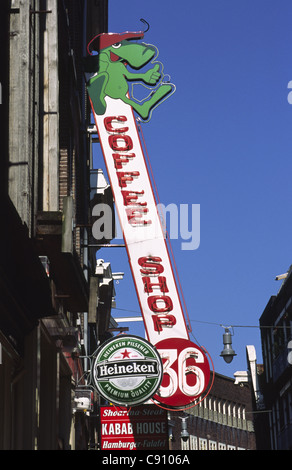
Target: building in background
pixel 276 336
pixel 271 382
pixel 223 421
pixel 50 318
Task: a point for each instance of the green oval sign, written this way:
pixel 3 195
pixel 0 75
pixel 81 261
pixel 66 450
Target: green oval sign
pixel 127 370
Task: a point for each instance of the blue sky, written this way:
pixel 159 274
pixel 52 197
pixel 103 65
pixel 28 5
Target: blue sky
pixel 224 141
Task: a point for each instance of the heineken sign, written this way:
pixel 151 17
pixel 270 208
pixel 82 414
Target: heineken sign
pixel 127 370
pixel 137 368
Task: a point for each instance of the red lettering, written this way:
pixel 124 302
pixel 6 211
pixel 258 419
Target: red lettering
pixel 127 177
pixel 151 265
pixel 148 285
pixel 121 159
pixel 135 215
pixel 131 197
pixel 163 321
pixel 108 124
pixel 120 143
pixel 160 303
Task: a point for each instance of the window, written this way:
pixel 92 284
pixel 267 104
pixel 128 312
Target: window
pixel 278 339
pixel 203 444
pixel 212 445
pixel 221 446
pixel 216 404
pixel 224 408
pixel 185 444
pixel 193 443
pixel 239 412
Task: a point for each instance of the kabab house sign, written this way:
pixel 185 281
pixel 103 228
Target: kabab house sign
pixel 139 428
pixel 186 370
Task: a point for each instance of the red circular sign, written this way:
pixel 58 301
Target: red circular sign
pixel 186 372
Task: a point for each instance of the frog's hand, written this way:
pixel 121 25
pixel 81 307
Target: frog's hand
pixel 96 87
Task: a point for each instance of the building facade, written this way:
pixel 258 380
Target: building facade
pixel 49 288
pixel 276 336
pixel 223 421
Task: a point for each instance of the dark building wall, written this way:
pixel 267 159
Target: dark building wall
pixel 222 421
pixel 276 335
pixel 40 310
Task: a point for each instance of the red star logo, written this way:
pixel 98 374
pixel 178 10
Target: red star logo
pixel 125 354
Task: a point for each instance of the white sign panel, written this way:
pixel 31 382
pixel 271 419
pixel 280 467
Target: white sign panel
pixel 140 222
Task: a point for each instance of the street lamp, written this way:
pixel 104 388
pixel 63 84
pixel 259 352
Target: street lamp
pixel 227 353
pixel 184 432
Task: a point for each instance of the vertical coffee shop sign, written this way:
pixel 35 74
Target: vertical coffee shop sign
pixel 186 370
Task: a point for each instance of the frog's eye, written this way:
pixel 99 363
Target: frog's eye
pixel 117 45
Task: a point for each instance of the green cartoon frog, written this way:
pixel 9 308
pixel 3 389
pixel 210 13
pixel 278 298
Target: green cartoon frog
pixel 110 75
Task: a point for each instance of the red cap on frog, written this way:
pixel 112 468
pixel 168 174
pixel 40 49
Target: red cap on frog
pixel 108 39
